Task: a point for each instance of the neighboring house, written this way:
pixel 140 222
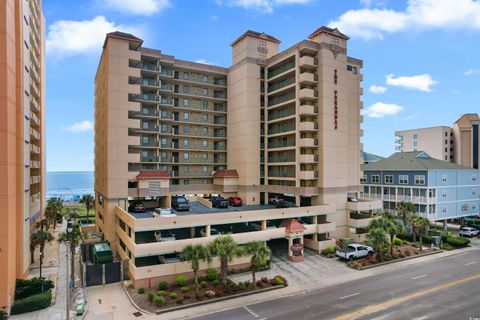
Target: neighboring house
pixel 439 189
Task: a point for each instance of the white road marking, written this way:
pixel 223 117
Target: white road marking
pixel 350 295
pixel 418 277
pixel 250 311
pixel 470 263
pixel 422 318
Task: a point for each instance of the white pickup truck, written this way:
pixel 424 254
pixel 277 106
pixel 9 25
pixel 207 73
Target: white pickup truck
pixel 354 251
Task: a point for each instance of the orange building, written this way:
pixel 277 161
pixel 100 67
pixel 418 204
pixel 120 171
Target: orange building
pixel 22 136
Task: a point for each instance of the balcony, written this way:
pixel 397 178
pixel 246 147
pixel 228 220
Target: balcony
pixel 358 220
pixel 34 89
pixel 281 129
pixel 281 174
pixel 34 119
pixel 289 158
pixel 149 159
pixel 34 149
pixel 306 110
pixel 34 73
pixel 308 158
pixel 308 142
pixel 34 180
pixel 150 67
pixel 34 164
pixel 34 105
pixel 149 144
pixel 308 126
pixel 307 62
pixel 149 83
pixel 308 78
pixel 34 134
pixel 307 94
pixel 365 205
pixel 308 175
pixel 150 97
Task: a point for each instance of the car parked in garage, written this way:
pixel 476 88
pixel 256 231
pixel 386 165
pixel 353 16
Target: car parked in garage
pixel 180 203
pixel 235 201
pixel 219 202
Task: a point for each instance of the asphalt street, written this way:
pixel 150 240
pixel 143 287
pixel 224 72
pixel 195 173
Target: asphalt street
pixel 446 288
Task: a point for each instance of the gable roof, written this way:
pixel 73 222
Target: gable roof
pixel 292 225
pixel 153 174
pixel 328 30
pixel 466 119
pixel 122 36
pixel 370 157
pixel 255 34
pixel 225 174
pixel 411 161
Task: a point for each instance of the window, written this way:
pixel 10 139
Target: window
pixel 145 139
pixel 414 143
pixel 186 155
pixel 145 125
pixel 415 136
pixel 205 78
pixel 186 182
pixel 186 116
pixel 205 104
pixel 446 134
pixel 446 157
pixel 164 141
pixel 403 179
pixel 363 179
pixel 186 129
pixel 375 179
pixel 164 114
pixel 163 155
pixel 205 156
pixel 144 154
pixel 352 69
pixel 186 76
pixel 186 143
pixel 444 209
pixel 431 193
pixel 444 194
pixel 205 92
pixel 474 177
pixel 205 169
pixel 164 128
pixel 205 143
pixel 446 141
pixel 465 207
pixel 335 41
pixel 420 180
pixel 145 111
pixel 205 117
pixel 262 45
pixel 444 178
pixel 186 89
pixel 389 179
pixel 186 169
pixel 185 102
pixel 205 130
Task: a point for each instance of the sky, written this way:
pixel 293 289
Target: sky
pixel 421 65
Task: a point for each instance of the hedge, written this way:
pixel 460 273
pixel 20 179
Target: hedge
pixel 32 303
pixel 457 242
pixel 25 288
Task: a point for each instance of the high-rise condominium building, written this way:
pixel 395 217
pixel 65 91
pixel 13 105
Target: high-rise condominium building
pixel 274 124
pixel 458 144
pixel 22 136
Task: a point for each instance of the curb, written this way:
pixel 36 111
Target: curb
pixel 398 260
pixel 196 304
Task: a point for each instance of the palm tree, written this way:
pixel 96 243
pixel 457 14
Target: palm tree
pixel 419 225
pixel 74 238
pixel 405 210
pixel 390 225
pixel 88 201
pixel 378 240
pixel 195 254
pixel 50 212
pixel 44 237
pixel 34 242
pixel 226 249
pixel 259 252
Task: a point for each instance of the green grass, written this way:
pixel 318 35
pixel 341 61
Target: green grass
pixel 81 210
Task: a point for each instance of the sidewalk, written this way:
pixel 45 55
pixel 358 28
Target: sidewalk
pixel 110 302
pixel 58 310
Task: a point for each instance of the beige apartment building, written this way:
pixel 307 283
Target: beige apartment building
pixel 458 144
pixel 275 123
pixel 22 136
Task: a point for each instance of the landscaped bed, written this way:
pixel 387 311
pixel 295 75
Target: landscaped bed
pixel 167 296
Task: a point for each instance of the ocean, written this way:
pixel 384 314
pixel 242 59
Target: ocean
pixel 69 186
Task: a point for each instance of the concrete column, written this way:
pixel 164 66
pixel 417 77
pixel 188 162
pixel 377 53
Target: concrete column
pixel 314 220
pixel 207 230
pixel 301 241
pixel 264 224
pixel 297 197
pixel 445 224
pixel 290 242
pixel 315 236
pixel 192 232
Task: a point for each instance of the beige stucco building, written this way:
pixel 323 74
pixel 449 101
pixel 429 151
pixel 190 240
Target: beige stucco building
pixel 458 144
pixel 22 136
pixel 275 123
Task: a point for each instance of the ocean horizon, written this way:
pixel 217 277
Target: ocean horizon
pixel 69 185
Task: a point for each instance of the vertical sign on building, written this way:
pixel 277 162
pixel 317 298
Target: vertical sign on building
pixel 335 101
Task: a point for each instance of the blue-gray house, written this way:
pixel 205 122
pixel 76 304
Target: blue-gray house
pixel 439 189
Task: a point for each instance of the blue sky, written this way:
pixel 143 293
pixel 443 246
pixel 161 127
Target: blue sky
pixel 420 56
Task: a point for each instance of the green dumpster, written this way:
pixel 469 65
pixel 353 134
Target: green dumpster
pixel 101 253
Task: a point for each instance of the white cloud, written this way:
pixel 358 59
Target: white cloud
pixel 137 7
pixel 204 61
pixel 377 89
pixel 422 82
pixel 470 72
pixel 80 127
pixel 380 110
pixel 265 6
pixel 68 37
pixel 419 15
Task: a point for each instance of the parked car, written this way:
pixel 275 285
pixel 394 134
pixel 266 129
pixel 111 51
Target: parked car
pixel 139 207
pixel 257 225
pixel 354 251
pixel 235 201
pixel 180 203
pixel 274 199
pixel 468 232
pixel 213 232
pixel 219 202
pixel 284 204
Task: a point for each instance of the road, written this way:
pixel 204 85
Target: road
pixel 447 288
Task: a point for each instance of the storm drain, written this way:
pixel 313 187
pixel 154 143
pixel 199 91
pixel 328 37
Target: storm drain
pixel 137 314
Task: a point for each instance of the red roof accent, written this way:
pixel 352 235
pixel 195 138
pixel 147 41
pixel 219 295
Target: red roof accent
pixel 153 174
pixel 122 36
pixel 292 225
pixel 225 174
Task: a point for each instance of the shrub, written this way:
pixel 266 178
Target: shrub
pixel 181 281
pixel 163 285
pixel 35 302
pixel 447 247
pixel 407 253
pixel 426 239
pixel 3 315
pixel 211 274
pixel 186 297
pixel 161 293
pixel 203 284
pixel 259 283
pixel 457 242
pixel 324 252
pixel 397 241
pixel 141 290
pixel 215 282
pixel 179 301
pixel 331 250
pixel 27 287
pixel 209 293
pixel 151 296
pixel 158 301
pixel 184 289
pixel 241 285
pixel 173 296
pixel 264 279
pixel 280 281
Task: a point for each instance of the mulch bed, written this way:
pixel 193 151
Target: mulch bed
pixel 210 293
pixel 399 253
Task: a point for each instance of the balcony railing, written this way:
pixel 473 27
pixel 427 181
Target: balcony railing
pixel 281 98
pixel 280 174
pixel 281 159
pixel 150 67
pixel 281 69
pixel 273 145
pixel 281 129
pixel 149 159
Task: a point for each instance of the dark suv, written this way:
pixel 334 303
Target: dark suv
pixel 180 203
pixel 219 202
